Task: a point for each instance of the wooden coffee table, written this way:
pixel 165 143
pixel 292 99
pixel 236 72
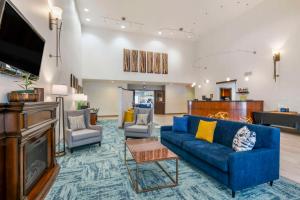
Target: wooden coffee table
pixel 145 151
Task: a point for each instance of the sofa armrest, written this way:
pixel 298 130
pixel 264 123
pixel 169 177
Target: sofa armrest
pixel 252 168
pixel 95 127
pixel 166 128
pixel 126 124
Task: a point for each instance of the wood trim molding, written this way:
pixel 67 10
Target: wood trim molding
pixel 222 82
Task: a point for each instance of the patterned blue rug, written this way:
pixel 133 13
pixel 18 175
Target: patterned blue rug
pixel 94 172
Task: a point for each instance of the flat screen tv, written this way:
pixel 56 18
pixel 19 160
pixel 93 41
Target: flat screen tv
pixel 21 47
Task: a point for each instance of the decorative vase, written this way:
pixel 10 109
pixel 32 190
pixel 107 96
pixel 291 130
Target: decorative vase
pixel 22 96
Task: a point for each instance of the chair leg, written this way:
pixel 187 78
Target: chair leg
pixel 233 194
pixel 271 183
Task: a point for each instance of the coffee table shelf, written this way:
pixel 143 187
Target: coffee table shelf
pixel 145 151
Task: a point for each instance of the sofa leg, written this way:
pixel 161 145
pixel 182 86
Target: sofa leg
pixel 100 144
pixel 233 194
pixel 271 183
pixel 71 150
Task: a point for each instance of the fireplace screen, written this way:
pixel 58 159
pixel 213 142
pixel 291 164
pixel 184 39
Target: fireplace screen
pixel 35 162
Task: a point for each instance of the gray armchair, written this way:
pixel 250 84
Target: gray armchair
pixel 91 135
pixel 133 130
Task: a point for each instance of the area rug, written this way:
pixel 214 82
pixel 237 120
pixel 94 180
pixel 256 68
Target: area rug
pixel 94 172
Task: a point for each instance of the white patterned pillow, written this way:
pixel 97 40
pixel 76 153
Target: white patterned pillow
pixel 142 119
pixel 244 140
pixel 77 123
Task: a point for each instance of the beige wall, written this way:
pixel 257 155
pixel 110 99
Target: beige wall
pixel 177 96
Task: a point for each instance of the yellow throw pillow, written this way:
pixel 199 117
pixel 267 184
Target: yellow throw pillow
pixel 206 130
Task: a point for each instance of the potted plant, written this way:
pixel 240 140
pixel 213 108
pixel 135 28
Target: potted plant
pixel 25 95
pixel 94 115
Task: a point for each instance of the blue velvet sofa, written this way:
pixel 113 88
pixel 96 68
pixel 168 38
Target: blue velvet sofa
pixel 237 170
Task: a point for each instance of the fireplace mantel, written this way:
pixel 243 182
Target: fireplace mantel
pixel 23 127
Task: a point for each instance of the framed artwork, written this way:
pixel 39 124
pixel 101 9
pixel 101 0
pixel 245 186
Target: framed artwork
pixel 157 69
pixel 126 60
pixel 142 61
pixel 149 62
pixel 134 60
pixel 164 58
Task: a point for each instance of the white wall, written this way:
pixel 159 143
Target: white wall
pixel 104 95
pixel 273 24
pixel 103 56
pixel 176 98
pixel 36 11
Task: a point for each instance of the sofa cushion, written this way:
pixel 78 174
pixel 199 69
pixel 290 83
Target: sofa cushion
pixel 213 153
pixel 244 140
pixel 76 122
pixel 206 130
pixel 180 124
pixel 137 128
pixel 177 138
pixel 85 134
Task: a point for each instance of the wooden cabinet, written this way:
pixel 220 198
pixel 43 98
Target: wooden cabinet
pixel 235 109
pixel 27 142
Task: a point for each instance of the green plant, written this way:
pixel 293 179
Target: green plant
pixel 80 104
pixel 26 82
pixel 95 110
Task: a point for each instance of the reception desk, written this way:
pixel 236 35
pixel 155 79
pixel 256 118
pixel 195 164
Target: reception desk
pixel 235 109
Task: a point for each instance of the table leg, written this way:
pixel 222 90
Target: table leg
pixel 176 171
pixel 136 179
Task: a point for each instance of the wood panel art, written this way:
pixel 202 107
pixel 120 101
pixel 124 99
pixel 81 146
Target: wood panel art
pixel 126 60
pixel 164 57
pixel 142 61
pixel 157 63
pixel 150 62
pixel 134 60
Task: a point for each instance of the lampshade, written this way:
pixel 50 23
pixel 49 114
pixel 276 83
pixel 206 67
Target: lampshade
pixel 80 97
pixel 60 90
pixel 56 12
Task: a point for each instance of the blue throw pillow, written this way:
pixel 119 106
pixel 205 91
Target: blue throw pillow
pixel 180 124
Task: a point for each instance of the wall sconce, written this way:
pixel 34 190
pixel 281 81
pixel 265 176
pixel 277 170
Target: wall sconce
pixel 55 16
pixel 276 58
pixel 247 75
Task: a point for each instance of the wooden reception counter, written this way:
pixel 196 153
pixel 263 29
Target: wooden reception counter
pixel 235 109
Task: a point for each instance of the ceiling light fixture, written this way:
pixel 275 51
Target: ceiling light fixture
pixel 199 86
pixel 159 33
pixel 227 79
pixel 194 84
pixel 207 81
pixel 123 26
pixel 87 19
pixel 86 10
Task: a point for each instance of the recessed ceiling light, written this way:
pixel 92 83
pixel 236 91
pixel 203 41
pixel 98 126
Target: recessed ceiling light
pixel 199 86
pixel 189 36
pixel 87 19
pixel 86 10
pixel 123 26
pixel 227 79
pixel 207 81
pixel 159 33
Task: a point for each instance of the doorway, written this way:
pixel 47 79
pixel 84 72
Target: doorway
pixel 159 102
pixel 226 94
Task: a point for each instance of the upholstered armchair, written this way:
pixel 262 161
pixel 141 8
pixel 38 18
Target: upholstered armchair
pixel 133 130
pixel 92 134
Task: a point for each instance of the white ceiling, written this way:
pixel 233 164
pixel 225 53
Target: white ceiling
pixel 167 16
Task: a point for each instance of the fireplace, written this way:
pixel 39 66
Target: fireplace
pixel 36 152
